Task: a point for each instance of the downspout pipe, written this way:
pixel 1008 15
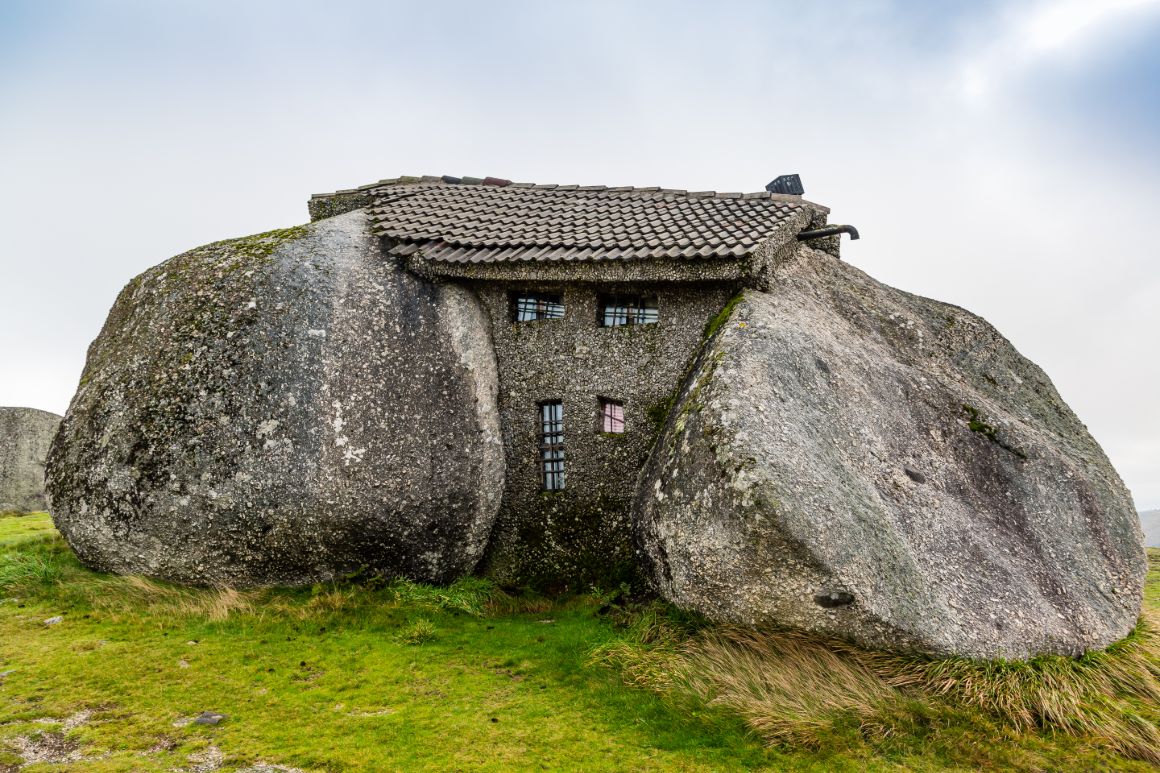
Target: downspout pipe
pixel 830 230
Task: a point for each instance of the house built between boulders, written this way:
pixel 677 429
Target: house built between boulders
pixel 564 386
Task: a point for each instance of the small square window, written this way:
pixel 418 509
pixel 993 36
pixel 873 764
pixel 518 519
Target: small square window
pixel 529 307
pixel 611 416
pixel 616 311
pixel 552 446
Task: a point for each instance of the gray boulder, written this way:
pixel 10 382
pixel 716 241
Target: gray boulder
pixel 853 460
pixel 25 434
pixel 283 409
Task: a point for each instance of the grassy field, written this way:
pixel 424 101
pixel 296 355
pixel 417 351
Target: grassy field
pixel 101 673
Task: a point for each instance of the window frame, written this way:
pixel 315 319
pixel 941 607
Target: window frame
pixel 546 305
pixel 550 448
pixel 636 310
pixel 604 419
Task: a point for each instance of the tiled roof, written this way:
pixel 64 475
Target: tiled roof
pixel 492 220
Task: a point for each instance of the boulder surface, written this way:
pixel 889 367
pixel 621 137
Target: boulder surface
pixel 853 460
pixel 25 435
pixel 283 409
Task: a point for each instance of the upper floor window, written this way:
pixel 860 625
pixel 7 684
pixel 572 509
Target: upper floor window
pixel 552 446
pixel 628 310
pixel 529 307
pixel 611 416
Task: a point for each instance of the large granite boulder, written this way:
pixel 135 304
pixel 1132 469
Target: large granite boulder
pixel 283 409
pixel 853 460
pixel 25 434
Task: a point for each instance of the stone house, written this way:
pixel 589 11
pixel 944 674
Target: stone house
pixel 598 299
pixel 551 385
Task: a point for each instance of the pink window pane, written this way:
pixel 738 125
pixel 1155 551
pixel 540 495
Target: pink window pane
pixel 612 417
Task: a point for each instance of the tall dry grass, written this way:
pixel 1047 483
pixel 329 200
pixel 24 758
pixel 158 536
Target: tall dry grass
pixel 133 594
pixel 793 688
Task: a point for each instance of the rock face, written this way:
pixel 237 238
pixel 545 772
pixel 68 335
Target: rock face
pixel 850 459
pixel 283 409
pixel 25 434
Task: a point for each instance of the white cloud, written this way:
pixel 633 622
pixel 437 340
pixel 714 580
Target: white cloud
pixel 1051 27
pixel 1024 36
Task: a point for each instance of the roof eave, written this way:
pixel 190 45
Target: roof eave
pixel 644 270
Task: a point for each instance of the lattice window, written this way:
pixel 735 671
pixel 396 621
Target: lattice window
pixel 552 446
pixel 616 311
pixel 611 416
pixel 529 307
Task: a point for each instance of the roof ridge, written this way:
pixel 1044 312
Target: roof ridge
pixel 447 181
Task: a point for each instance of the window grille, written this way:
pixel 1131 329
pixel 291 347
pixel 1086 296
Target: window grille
pixel 552 446
pixel 611 416
pixel 530 307
pixel 628 310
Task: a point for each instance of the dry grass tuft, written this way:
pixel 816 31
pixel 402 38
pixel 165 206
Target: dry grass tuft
pixel 132 593
pixel 793 688
pixel 1112 695
pixel 788 687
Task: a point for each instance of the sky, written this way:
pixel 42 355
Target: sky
pixel 1002 156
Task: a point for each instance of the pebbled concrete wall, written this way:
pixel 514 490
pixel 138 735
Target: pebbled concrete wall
pixel 583 533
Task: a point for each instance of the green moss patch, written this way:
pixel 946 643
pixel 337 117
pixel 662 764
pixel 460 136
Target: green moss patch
pixel 715 324
pixel 976 424
pixel 262 245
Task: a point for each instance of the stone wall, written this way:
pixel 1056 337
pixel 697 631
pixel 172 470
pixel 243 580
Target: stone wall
pixel 322 206
pixel 583 533
pixel 25 435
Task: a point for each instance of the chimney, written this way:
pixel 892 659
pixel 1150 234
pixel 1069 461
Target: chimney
pixel 787 183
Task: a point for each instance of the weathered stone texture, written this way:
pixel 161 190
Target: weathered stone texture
pixel 284 408
pixel 854 460
pixel 25 434
pixel 583 534
pixel 322 207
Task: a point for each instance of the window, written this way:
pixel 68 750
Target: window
pixel 628 310
pixel 552 446
pixel 529 307
pixel 611 416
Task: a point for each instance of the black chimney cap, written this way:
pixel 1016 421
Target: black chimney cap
pixel 787 183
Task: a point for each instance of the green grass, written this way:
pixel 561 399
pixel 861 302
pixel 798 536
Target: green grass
pixel 395 676
pixel 16 527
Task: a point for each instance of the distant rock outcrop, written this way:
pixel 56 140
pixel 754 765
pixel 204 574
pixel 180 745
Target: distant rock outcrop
pixel 854 460
pixel 283 409
pixel 25 434
pixel 1150 521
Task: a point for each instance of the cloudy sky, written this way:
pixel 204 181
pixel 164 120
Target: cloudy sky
pixel 1001 156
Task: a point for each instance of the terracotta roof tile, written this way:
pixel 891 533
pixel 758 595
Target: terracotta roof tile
pixel 492 220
